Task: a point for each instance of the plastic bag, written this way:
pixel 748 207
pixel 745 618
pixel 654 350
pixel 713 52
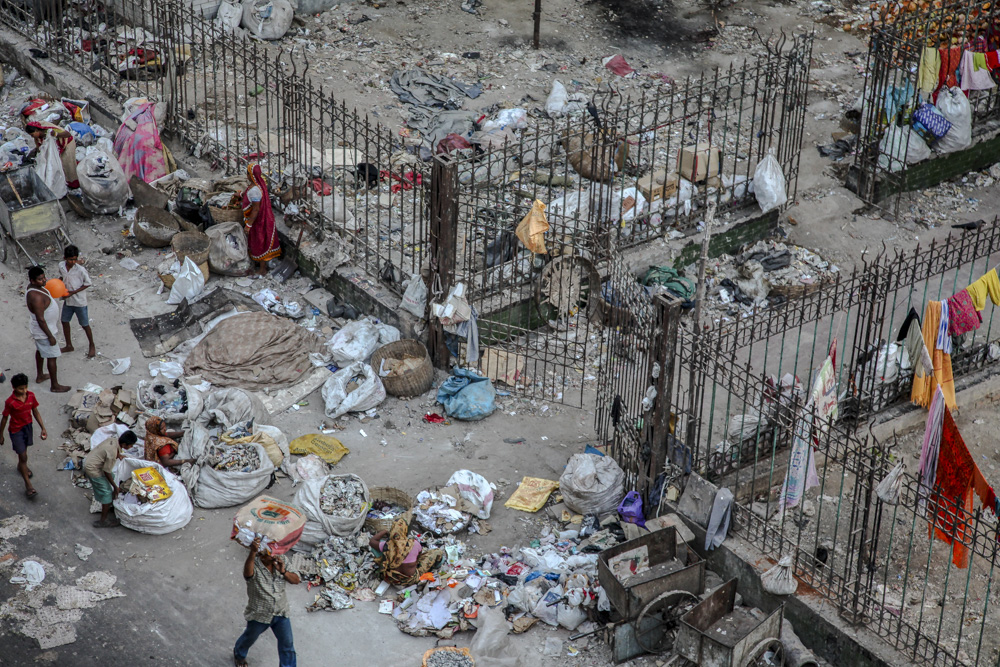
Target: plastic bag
pixel 309 467
pixel 319 524
pixel 546 610
pixel 227 253
pixel 746 425
pixel 189 283
pixel 592 484
pixel 105 188
pixel 901 146
pixel 157 518
pixel 491 645
pixel 219 488
pixel 168 369
pixel 780 580
pixel 467 396
pixel 627 204
pixel 475 489
pixel 889 488
pixel 267 19
pixel 415 297
pixel 515 119
pixel 48 166
pixel 354 342
pixel 630 510
pixel 954 105
pixel 338 396
pixel 769 183
pixel 531 230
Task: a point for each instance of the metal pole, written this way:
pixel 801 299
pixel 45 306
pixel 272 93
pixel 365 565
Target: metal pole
pixel 700 287
pixel 537 16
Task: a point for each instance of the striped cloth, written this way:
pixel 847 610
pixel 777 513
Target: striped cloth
pixel 943 337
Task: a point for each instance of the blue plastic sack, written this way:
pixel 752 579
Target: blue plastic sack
pixel 630 509
pixel 467 396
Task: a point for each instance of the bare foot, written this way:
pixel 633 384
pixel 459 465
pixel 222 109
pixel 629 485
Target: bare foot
pixel 240 662
pixel 68 348
pixel 31 493
pixel 41 378
pixel 92 352
pixel 59 388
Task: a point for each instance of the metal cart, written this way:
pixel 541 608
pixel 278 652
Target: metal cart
pixel 717 633
pixel 651 601
pixel 29 209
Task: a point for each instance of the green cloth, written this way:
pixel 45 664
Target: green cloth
pixel 670 278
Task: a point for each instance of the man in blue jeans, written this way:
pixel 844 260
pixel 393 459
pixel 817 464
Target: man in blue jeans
pixel 267 606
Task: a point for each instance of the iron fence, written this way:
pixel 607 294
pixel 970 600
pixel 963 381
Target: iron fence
pixel 231 101
pixel 908 42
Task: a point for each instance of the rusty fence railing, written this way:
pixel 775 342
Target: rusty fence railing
pixel 232 100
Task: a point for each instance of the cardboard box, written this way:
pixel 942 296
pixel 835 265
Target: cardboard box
pixel 658 185
pixel 700 161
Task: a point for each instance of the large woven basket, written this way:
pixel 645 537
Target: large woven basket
pixel 412 383
pixel 191 244
pixel 225 214
pixel 390 495
pixel 154 227
pixel 463 652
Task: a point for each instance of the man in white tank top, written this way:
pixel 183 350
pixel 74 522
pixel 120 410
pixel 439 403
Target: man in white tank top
pixel 43 314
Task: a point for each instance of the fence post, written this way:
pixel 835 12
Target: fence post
pixel 664 353
pixel 443 237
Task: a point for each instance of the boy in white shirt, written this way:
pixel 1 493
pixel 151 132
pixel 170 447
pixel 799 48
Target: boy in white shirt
pixel 77 279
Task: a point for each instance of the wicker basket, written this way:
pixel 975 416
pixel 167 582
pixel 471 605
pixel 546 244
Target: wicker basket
pixel 225 214
pixel 154 227
pixel 412 383
pixel 389 495
pixel 191 244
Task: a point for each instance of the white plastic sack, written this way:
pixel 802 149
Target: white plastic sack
pixel 102 182
pixel 893 147
pixel 227 253
pixel 217 488
pixel 226 407
pixel 170 370
pixel 746 425
pixel 888 489
pixel 780 580
pixel 157 518
pixel 369 392
pixel 555 105
pixel 515 119
pixel 769 183
pixel 188 284
pixel 229 16
pixel 355 342
pixel 627 204
pixel 415 297
pixel 475 489
pixel 334 206
pixel 386 334
pixel 954 105
pixel 48 166
pixel 592 484
pixel 545 610
pixel 492 646
pixel 320 525
pixel 884 368
pixel 309 467
pixel 267 19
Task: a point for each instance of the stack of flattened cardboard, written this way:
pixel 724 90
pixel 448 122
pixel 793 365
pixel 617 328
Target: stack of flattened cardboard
pixel 92 409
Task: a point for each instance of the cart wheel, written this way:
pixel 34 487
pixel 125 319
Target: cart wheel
pixel 567 283
pixel 768 653
pixel 656 627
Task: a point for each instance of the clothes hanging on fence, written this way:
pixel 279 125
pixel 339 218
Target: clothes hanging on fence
pixel 951 58
pixel 923 386
pixel 943 340
pixel 952 501
pixel 993 60
pixel 988 285
pixel 920 358
pixel 929 69
pixel 931 447
pixel 962 314
pixel 904 330
pixel 973 73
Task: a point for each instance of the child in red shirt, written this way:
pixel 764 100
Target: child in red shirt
pixel 19 408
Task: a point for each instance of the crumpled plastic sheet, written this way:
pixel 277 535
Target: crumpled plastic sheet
pixel 32 575
pixel 435 512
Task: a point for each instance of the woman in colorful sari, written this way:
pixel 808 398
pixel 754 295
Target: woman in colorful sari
pixel 258 220
pixel 161 445
pixel 64 140
pixel 400 560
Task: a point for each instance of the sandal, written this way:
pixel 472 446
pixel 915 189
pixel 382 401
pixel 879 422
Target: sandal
pixel 32 493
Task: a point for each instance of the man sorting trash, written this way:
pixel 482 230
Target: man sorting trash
pixel 99 466
pixel 267 606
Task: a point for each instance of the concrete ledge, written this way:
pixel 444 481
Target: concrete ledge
pixel 814 619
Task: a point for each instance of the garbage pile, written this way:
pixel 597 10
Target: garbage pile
pixel 767 274
pixel 385 510
pixel 166 400
pixel 233 458
pixel 342 496
pixel 93 407
pixel 346 572
pixel 464 502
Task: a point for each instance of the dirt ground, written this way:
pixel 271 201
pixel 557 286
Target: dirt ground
pixel 183 592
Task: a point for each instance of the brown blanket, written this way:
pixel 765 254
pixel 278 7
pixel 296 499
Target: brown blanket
pixel 254 351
